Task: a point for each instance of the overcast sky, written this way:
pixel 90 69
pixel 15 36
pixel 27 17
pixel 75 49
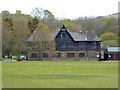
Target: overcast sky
pixel 63 8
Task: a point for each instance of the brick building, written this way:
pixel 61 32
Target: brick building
pixel 113 53
pixel 75 46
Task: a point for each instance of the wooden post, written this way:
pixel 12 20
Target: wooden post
pixel 114 56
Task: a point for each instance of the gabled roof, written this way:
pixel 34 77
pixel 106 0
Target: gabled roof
pixel 77 36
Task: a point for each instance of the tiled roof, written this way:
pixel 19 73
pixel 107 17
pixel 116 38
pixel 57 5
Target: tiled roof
pixel 41 36
pixel 81 36
pixel 77 36
pixel 84 36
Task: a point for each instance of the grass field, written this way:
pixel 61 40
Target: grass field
pixel 60 74
pixel 0 75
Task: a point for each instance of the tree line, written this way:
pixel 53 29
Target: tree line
pixel 18 27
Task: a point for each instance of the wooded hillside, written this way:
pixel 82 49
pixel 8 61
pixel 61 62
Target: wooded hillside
pixel 18 27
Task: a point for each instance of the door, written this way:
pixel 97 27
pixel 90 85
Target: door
pixel 105 56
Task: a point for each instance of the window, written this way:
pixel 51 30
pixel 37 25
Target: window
pixel 45 54
pixel 58 54
pixel 93 55
pixel 89 43
pixel 76 44
pixel 70 54
pixel 33 55
pixel 62 35
pixel 94 43
pixel 81 43
pixel 81 54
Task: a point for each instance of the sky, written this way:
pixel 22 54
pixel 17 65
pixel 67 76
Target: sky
pixel 63 8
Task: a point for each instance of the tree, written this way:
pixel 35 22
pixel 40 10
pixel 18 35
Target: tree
pixel 5 13
pixel 41 13
pixel 110 24
pixel 110 43
pixel 20 35
pixel 109 39
pixel 108 36
pixel 32 25
pixel 48 15
pixel 7 38
pixel 37 12
pixel 9 22
pixel 15 33
pixel 68 24
pixel 42 41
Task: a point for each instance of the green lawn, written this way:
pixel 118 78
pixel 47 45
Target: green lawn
pixel 60 74
pixel 0 75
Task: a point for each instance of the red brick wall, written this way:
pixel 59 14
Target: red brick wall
pixel 65 58
pixel 30 58
pixel 114 56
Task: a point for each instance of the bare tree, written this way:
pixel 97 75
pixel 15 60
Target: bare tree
pixel 37 12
